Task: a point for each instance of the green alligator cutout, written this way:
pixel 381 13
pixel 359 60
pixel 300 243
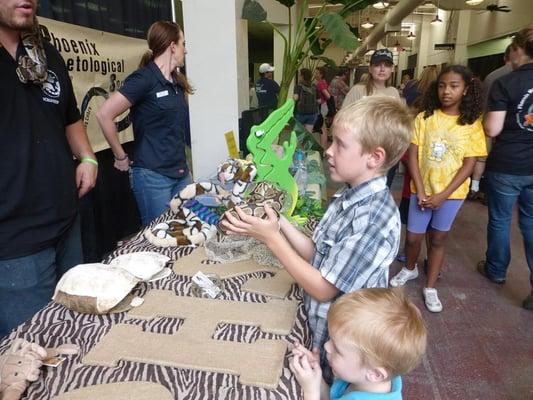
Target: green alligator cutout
pixel 270 167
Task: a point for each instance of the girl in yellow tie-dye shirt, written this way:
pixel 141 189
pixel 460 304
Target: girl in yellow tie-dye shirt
pixel 447 140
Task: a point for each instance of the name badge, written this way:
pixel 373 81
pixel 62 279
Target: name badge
pixel 161 94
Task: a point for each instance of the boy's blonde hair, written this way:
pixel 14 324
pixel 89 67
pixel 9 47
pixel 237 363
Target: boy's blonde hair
pixel 385 327
pixel 378 121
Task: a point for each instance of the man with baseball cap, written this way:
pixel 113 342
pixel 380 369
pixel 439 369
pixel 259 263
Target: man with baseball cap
pixel 267 88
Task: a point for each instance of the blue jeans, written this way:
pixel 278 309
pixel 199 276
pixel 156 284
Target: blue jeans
pixel 503 191
pixel 154 191
pixel 27 283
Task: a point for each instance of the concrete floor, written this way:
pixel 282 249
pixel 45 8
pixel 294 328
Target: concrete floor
pixel 481 345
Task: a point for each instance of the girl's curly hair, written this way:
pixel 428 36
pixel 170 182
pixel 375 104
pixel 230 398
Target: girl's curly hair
pixel 471 105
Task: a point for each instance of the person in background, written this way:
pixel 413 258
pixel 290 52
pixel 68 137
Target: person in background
pixel 338 86
pixel 266 88
pixel 509 172
pixel 406 78
pixel 448 137
pixel 376 336
pixel 378 83
pixel 414 90
pixel 155 93
pixel 40 130
pixel 323 96
pixel 306 100
pixel 479 169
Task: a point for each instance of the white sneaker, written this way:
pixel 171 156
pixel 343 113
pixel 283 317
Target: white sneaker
pixel 432 301
pixel 403 276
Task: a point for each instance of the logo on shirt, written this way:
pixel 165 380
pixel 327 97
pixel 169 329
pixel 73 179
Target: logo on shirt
pixel 51 88
pixel 524 114
pixel 438 150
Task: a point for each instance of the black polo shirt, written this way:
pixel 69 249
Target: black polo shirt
pixel 38 196
pixel 267 91
pixel 160 118
pixel 512 150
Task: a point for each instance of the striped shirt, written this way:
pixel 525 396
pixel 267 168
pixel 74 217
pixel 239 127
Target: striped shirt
pixel 355 242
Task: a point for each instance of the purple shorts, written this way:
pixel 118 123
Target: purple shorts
pixel 441 219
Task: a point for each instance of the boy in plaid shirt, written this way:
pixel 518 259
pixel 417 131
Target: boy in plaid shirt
pixel 358 237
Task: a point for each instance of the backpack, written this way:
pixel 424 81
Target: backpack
pixel 306 99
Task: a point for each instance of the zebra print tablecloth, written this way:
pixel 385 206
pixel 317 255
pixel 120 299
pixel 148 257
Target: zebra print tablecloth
pixel 55 324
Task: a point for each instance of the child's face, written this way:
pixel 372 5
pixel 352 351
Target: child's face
pixel 345 157
pixel 451 89
pixel 345 360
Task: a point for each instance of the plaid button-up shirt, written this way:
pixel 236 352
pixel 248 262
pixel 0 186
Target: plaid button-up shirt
pixel 355 242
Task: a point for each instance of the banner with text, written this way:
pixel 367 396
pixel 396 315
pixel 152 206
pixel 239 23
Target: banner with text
pixel 98 62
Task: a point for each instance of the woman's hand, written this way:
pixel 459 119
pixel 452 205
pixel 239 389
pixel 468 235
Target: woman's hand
pixel 244 224
pixel 122 164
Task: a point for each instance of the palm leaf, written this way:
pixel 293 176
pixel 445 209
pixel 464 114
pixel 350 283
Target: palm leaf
pixel 338 31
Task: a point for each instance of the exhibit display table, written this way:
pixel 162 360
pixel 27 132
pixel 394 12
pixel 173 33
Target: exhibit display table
pixel 55 325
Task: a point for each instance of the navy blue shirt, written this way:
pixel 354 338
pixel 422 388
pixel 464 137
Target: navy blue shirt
pixel 512 149
pixel 39 199
pixel 267 92
pixel 160 118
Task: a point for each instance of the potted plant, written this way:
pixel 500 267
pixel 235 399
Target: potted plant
pixel 306 37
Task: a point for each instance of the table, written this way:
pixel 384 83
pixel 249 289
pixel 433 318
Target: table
pixel 55 324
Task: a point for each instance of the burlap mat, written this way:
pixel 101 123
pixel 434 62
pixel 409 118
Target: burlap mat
pixel 193 347
pixel 277 286
pixel 119 391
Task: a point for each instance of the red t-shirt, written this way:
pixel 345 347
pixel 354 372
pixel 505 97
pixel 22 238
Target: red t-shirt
pixel 320 86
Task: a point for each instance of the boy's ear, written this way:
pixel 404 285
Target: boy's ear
pixel 377 158
pixel 376 375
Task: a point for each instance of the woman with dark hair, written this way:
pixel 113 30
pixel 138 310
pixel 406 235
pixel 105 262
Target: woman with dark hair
pixel 156 96
pixel 509 169
pixel 306 100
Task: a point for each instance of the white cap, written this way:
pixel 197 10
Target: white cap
pixel 265 68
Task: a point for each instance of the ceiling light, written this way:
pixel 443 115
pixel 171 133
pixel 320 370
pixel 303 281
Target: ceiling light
pixel 411 36
pixel 367 24
pixel 380 5
pixel 436 20
pixel 473 2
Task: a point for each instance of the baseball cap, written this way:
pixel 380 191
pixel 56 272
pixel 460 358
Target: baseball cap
pixel 265 68
pixel 381 55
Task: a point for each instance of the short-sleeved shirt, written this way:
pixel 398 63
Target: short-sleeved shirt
pixel 355 242
pixel 512 149
pixel 338 89
pixel 411 92
pixel 443 145
pixel 321 85
pixel 338 389
pixel 38 200
pixel 160 118
pixel 359 91
pixel 267 91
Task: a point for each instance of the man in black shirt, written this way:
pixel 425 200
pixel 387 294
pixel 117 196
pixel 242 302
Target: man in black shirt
pixel 509 170
pixel 40 130
pixel 267 88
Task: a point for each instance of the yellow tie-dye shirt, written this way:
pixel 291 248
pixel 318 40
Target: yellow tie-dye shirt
pixel 442 146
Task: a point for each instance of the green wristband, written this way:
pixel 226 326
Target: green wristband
pixel 89 160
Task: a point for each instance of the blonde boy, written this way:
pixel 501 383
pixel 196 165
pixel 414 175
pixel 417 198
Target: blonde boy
pixel 358 237
pixel 376 335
